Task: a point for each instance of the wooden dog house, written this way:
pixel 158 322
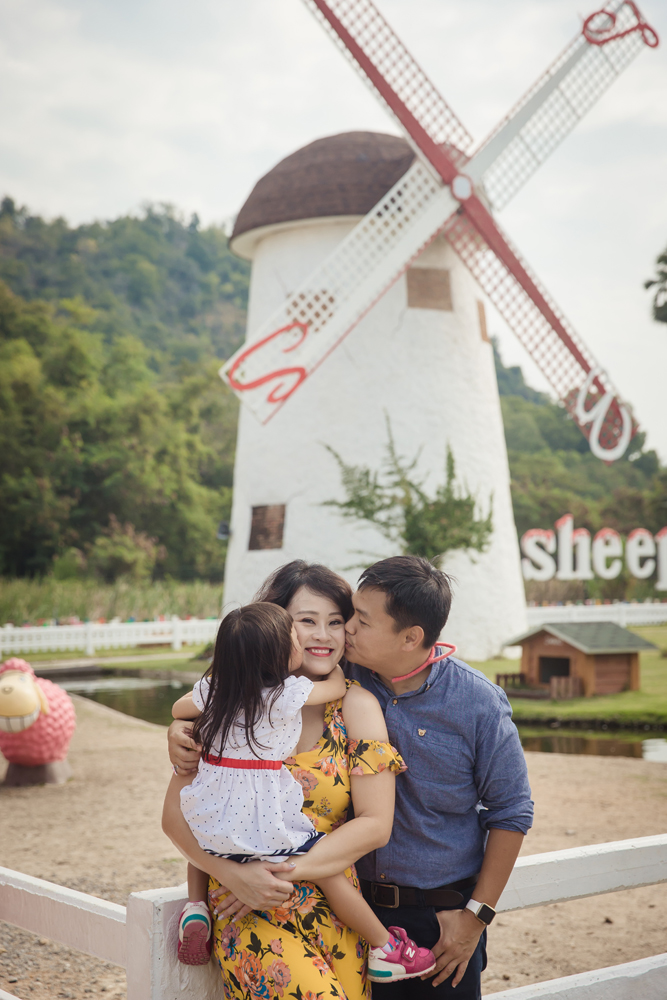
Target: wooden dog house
pixel 603 657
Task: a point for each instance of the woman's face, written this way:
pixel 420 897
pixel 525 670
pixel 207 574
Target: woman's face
pixel 320 629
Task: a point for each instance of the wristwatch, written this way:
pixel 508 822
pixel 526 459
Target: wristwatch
pixel 482 911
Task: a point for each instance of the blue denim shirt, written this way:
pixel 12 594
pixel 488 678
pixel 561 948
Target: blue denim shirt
pixel 466 774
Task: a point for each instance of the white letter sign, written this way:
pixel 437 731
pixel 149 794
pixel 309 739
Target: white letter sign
pixel 639 546
pixel 536 545
pixel 607 544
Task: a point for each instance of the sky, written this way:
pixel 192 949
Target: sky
pixel 108 104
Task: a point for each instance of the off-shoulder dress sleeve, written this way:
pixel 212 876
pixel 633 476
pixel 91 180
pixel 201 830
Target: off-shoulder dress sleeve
pixel 373 756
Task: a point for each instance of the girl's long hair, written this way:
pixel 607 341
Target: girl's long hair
pixel 252 652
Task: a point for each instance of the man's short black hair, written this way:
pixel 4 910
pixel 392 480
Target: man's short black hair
pixel 417 593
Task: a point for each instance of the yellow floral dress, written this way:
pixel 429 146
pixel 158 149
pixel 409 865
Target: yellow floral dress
pixel 301 950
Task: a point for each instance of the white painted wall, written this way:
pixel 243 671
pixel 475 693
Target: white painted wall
pixel 433 374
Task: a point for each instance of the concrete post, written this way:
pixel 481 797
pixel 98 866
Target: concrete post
pixel 153 969
pixel 90 646
pixel 176 632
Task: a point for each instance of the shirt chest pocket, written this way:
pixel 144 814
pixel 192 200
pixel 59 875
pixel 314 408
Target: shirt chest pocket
pixel 435 756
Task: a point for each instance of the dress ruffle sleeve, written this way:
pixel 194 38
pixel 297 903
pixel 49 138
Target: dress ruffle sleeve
pixel 200 693
pixel 291 699
pixel 373 756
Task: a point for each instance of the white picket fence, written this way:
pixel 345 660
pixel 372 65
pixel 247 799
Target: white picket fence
pixel 177 632
pixel 92 636
pixel 142 937
pixel 619 614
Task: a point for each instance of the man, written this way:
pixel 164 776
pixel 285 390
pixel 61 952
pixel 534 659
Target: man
pixel 463 806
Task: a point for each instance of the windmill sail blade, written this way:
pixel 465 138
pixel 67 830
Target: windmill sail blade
pixel 291 344
pixel 382 60
pixel 558 351
pixel 549 338
pixel 559 99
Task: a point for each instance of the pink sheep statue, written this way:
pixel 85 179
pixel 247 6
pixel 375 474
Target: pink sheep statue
pixel 37 721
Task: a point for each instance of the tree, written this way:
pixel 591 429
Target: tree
pixel 396 503
pixel 89 432
pixel 175 287
pixel 660 285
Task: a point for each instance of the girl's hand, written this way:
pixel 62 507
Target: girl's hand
pixel 252 886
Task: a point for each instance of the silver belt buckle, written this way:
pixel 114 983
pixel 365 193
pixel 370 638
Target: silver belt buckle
pixel 381 885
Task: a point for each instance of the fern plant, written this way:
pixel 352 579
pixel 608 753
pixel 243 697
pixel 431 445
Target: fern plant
pixel 395 501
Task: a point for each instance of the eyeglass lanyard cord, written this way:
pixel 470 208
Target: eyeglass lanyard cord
pixel 431 659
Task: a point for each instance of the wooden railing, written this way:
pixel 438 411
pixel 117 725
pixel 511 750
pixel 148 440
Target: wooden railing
pixel 509 681
pixel 564 688
pixel 142 937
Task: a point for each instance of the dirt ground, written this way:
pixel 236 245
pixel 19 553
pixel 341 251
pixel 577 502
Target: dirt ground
pixel 100 833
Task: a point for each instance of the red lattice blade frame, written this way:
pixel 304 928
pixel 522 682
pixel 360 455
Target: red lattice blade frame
pixel 541 327
pixel 360 30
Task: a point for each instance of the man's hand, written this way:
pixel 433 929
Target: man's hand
pixel 253 886
pixel 184 753
pixel 460 931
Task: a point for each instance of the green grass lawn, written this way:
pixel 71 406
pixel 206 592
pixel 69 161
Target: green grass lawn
pixel 102 654
pixel 648 706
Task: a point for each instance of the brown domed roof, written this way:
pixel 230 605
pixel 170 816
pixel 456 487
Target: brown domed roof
pixel 342 174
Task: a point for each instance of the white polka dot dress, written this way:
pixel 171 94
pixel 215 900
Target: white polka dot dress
pixel 247 811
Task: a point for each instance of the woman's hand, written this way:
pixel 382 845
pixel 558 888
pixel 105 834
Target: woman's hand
pixel 184 753
pixel 252 886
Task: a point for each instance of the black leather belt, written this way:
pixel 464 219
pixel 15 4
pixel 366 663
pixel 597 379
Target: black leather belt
pixel 393 896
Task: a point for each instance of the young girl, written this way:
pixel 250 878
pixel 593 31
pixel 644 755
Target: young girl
pixel 244 804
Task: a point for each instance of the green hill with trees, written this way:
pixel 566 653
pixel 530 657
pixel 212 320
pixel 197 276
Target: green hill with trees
pixel 117 436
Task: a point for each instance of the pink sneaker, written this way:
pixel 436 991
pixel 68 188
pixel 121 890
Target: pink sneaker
pixel 194 935
pixel 406 961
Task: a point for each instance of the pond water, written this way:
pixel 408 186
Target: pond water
pixel 151 699
pixel 142 697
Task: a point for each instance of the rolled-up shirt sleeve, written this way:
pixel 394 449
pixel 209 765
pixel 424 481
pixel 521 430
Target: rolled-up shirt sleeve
pixel 501 774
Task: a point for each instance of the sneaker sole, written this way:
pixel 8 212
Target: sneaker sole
pixel 393 976
pixel 195 948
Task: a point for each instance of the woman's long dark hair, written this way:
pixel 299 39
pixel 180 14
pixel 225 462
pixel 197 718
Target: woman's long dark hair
pixel 252 652
pixel 282 585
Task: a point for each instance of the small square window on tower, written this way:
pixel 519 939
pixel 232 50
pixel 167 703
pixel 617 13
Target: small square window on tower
pixel 429 288
pixel 266 529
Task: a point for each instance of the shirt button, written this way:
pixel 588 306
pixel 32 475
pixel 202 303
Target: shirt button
pixel 395 701
pixel 383 875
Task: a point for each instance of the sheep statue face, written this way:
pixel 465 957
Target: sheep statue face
pixel 37 721
pixel 21 701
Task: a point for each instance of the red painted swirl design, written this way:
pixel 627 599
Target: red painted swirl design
pixel 285 387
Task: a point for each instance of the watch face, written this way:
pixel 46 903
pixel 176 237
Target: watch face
pixel 486 913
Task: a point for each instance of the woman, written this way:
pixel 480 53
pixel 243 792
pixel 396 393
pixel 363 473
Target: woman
pixel 297 945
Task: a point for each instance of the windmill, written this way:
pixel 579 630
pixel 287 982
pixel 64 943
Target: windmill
pixel 432 373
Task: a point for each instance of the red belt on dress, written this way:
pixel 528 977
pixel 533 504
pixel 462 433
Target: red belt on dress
pixel 255 765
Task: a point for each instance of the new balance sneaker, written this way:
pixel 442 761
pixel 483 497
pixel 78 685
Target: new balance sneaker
pixel 194 934
pixel 404 961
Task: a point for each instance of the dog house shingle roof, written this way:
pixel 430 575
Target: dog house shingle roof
pixel 591 637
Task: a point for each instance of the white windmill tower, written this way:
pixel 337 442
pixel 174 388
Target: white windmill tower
pixel 330 231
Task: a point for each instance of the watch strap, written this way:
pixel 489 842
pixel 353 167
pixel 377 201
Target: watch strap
pixel 482 911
